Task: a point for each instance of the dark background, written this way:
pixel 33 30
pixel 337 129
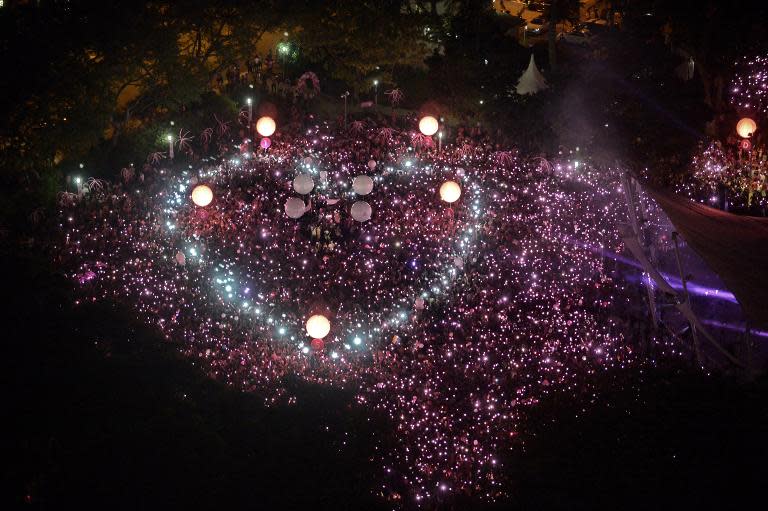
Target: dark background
pixel 99 411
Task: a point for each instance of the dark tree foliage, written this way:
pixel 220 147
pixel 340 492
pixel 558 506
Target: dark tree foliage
pixel 89 70
pixel 355 39
pixel 715 33
pixel 559 11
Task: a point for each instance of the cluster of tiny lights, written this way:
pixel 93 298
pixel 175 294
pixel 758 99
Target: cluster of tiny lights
pixel 716 175
pixel 749 88
pixel 453 319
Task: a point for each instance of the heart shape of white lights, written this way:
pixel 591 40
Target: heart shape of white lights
pixel 368 278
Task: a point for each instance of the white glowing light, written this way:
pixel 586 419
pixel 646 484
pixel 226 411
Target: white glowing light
pixel 428 125
pixel 202 195
pixel 318 326
pixel 450 191
pixel 746 127
pixel 266 126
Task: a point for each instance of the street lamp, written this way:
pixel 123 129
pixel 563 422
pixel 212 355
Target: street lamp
pixel 345 96
pixel 376 93
pixel 283 49
pixel 250 111
pixel 170 146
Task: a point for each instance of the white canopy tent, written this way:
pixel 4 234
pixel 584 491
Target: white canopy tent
pixel 532 81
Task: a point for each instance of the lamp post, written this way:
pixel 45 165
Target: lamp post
pixel 170 146
pixel 376 93
pixel 440 142
pixel 250 111
pixel 345 96
pixel 283 49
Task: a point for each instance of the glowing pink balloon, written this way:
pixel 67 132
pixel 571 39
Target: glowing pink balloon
pixel 265 143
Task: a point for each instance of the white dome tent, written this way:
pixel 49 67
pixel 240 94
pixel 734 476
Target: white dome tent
pixel 532 81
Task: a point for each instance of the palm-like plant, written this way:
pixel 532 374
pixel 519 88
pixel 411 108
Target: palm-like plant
pixel 421 141
pixel 96 185
pixel 154 158
pixel 127 174
pixel 184 140
pixel 395 97
pixel 505 158
pixel 385 135
pixel 66 198
pixel 205 136
pixel 223 126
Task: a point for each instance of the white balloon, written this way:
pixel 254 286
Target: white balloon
pixel 202 195
pixel 294 207
pixel 265 126
pixel 450 191
pixel 362 185
pixel 372 164
pixel 428 125
pixel 318 326
pixel 361 211
pixel 303 184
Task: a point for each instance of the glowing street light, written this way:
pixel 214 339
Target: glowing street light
pixel 170 146
pixel 376 93
pixel 250 110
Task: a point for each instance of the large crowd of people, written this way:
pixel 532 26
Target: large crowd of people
pixel 450 318
pixel 728 175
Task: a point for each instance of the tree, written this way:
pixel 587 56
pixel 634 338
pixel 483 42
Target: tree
pixel 353 39
pixel 89 71
pixel 716 35
pixel 559 11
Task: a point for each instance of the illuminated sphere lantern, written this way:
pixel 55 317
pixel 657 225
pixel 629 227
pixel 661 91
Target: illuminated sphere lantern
pixel 265 143
pixel 265 126
pixel 202 195
pixel 361 211
pixel 450 191
pixel 294 207
pixel 318 326
pixel 428 125
pixel 303 184
pixel 362 185
pixel 746 127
